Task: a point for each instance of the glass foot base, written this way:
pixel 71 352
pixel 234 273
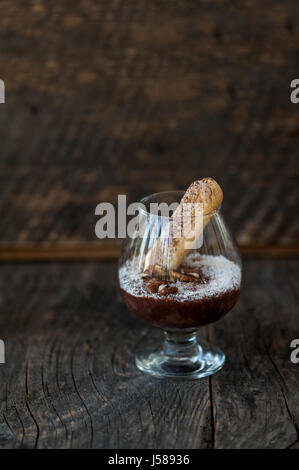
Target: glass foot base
pixel 205 360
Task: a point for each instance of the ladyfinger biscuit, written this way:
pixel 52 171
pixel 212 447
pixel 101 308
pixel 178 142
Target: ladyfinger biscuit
pixel 196 208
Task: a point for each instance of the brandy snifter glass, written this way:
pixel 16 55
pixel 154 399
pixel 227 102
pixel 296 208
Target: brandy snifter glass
pixel 202 290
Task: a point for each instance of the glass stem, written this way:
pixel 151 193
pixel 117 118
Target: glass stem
pixel 181 346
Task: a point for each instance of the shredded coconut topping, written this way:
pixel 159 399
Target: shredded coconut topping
pixel 224 275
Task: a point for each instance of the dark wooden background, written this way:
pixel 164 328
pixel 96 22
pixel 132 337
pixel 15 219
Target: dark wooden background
pixel 108 97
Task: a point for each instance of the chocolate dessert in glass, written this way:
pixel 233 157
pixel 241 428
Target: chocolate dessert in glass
pixel 180 272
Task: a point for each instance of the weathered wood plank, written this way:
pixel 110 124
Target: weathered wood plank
pixel 69 379
pixel 110 250
pixel 155 96
pixel 256 399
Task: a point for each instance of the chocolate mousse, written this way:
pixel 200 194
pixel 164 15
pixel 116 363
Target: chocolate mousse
pixel 201 291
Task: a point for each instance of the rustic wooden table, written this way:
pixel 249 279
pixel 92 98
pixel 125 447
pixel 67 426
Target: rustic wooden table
pixel 70 378
pixel 106 98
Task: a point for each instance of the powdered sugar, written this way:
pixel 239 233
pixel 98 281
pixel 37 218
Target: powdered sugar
pixel 224 275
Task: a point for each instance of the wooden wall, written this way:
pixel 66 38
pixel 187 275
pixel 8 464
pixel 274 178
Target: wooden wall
pixel 108 97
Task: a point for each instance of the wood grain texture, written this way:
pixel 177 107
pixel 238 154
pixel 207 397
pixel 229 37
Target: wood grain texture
pixel 110 250
pixel 266 413
pixel 108 97
pixel 69 378
pixel 70 381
